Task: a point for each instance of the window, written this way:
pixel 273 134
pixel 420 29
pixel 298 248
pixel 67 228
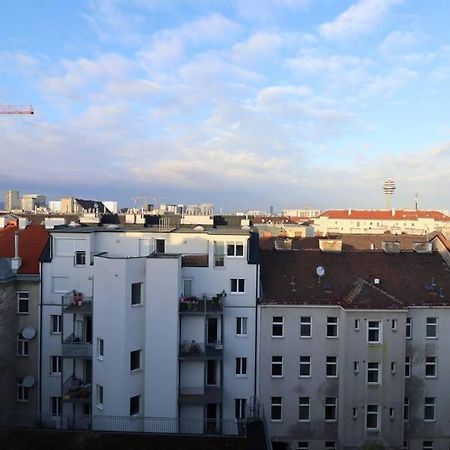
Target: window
pixel 55 365
pixel 80 258
pixel 241 366
pixel 330 409
pixel 393 367
pixel 235 249
pixel 239 408
pixel 277 326
pixel 160 245
pixel 407 366
pixel 303 409
pixel 55 406
pixel 135 360
pixel 305 366
pixel 188 287
pixel 405 445
pixel 136 294
pixel 356 324
pixel 331 369
pixel 277 366
pixel 22 345
pixel 237 286
pixel 332 327
pixel 394 324
pixel 330 445
pixel 356 367
pixel 429 409
pixel 275 408
pixel 22 391
pixel 241 326
pixel 23 299
pixel 218 254
pixel 100 348
pixel 408 327
pixel 373 373
pixel 135 405
pixel 406 409
pixel 55 323
pixel 354 413
pixel 428 445
pixel 374 332
pixel 431 327
pixel 303 445
pixel 391 413
pixel 305 327
pixel 372 417
pixel 99 396
pixel 430 366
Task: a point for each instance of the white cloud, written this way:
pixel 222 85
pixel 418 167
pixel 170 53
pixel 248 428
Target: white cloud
pixel 259 46
pixel 401 40
pixel 361 18
pixel 386 85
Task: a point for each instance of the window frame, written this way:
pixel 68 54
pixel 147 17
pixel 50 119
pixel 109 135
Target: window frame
pixel 376 329
pixel 55 406
pixel 99 396
pixel 306 321
pixel 55 363
pixel 277 324
pixel 371 414
pixel 100 348
pixel 55 319
pixel 304 404
pixel 133 360
pixel 406 405
pixel 237 286
pixel 431 364
pixel 329 364
pixel 276 402
pixel 303 445
pixel 22 347
pixel 429 405
pixel 80 258
pixel 331 405
pixel 432 326
pixel 242 326
pixel 22 392
pixel 278 366
pixel 157 243
pixel 303 364
pixel 241 366
pixel 408 366
pixel 374 370
pixel 133 300
pixel 332 323
pixel 408 328
pixel 24 299
pixel 234 246
pixel 239 408
pixel 133 411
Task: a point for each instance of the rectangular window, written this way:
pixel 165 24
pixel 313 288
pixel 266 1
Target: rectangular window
pixel 303 445
pixel 429 409
pixel 99 396
pixel 393 367
pixel 405 445
pixel 406 409
pixel 235 249
pixel 391 413
pixel 22 391
pixel 305 327
pixel 408 327
pixel 22 345
pixel 394 324
pixel 239 408
pixel 55 323
pixel 330 409
pixel 241 326
pixel 372 417
pixel 428 445
pixel 354 413
pixel 160 246
pixel 330 445
pixel 135 360
pixel 356 367
pixel 374 332
pixel 80 258
pixel 431 328
pixel 332 327
pixel 241 366
pixel 55 365
pixel 23 299
pixel 277 366
pixel 407 366
pixel 135 405
pixel 55 406
pixel 136 294
pixel 237 286
pixel 305 366
pixel 188 290
pixel 100 348
pixel 275 409
pixel 277 326
pixel 356 324
pixel 331 368
pixel 373 373
pixel 219 254
pixel 430 366
pixel 303 409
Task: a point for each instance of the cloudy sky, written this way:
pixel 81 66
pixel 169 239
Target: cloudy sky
pixel 243 103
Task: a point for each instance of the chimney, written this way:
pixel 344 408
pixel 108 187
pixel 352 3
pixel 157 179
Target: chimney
pixel 16 262
pixel 349 211
pixel 393 212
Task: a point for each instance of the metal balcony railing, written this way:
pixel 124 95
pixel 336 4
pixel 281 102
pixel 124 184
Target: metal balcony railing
pixel 76 302
pixel 198 350
pixel 75 389
pixel 202 305
pixel 75 347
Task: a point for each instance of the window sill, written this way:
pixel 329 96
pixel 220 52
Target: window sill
pixel 237 293
pixel 277 337
pixel 55 374
pixel 304 376
pixel 134 371
pixel 137 305
pixel 241 376
pixel 332 337
pixel 333 377
pixel 305 337
pixel 241 335
pixel 277 376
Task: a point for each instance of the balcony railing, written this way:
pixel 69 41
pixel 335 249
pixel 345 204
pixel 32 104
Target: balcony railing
pixel 195 260
pixel 75 389
pixel 74 347
pixel 202 305
pixel 199 395
pixel 199 350
pixel 76 302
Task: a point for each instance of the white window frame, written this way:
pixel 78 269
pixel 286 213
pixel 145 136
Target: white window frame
pixel 23 296
pixel 431 362
pixel 331 402
pixel 239 408
pixel 156 246
pixel 406 409
pixel 378 329
pixel 429 405
pixel 431 325
pixel 100 348
pixel 242 326
pixel 374 367
pixel 394 324
pixel 22 392
pixel 239 287
pixel 99 396
pixel 356 367
pixel 80 258
pixel 374 411
pixel 22 346
pixel 241 367
pixel 304 404
pixel 139 409
pixel 276 402
pixel 55 406
pixel 55 362
pixel 427 445
pixel 305 321
pixel 279 324
pixel 409 328
pixel 234 246
pixel 219 254
pixel 303 445
pixel 277 362
pixel 55 323
pixel 139 360
pixel 391 413
pixel 132 301
pixel 332 323
pixel 185 291
pixel 408 366
pixel 356 326
pixel 329 363
pixel 354 413
pixel 305 363
pixel 393 367
pixel 330 445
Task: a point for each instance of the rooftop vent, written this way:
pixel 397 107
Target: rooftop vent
pixel 423 247
pixel 390 246
pixel 330 245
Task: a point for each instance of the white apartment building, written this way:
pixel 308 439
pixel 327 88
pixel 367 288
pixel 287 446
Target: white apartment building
pixel 139 323
pixel 11 200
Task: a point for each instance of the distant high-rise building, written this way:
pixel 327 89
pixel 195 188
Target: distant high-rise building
pixel 32 201
pixel 54 205
pixel 12 200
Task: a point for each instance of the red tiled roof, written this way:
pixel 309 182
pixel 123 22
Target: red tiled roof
pixel 400 214
pixel 32 241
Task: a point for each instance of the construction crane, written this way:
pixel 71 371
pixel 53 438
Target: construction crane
pixel 13 109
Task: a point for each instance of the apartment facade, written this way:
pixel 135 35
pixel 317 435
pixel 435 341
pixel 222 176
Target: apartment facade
pixel 151 324
pixel 352 349
pixel 11 200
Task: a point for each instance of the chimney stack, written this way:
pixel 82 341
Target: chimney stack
pixel 16 262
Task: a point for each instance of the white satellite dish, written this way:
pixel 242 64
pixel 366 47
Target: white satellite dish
pixel 28 381
pixel 29 333
pixel 320 271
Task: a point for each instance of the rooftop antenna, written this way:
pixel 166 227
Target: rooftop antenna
pixel 389 189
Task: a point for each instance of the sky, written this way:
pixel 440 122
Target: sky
pixel 243 103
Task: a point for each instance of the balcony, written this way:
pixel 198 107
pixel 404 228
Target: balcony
pixel 75 389
pixel 74 347
pixel 204 305
pixel 199 395
pixel 196 350
pixel 195 260
pixel 76 302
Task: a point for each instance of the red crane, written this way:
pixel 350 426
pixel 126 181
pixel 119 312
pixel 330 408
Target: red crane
pixel 13 109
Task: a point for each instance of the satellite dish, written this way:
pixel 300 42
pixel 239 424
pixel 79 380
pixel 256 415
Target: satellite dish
pixel 29 333
pixel 320 271
pixel 28 381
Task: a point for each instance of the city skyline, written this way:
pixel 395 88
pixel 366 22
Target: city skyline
pixel 288 103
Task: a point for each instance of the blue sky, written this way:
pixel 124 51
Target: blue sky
pixel 243 103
